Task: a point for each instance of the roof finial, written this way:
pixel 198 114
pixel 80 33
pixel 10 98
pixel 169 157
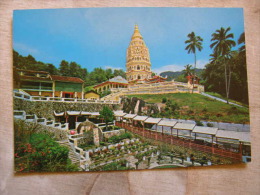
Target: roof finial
pixel 136 26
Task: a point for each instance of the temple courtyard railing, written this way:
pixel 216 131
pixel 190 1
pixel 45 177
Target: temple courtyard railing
pixel 186 143
pixel 24 96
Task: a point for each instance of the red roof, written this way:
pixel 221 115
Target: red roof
pixel 67 79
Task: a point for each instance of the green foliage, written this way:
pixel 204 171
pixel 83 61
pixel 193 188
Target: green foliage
pixel 164 100
pixel 117 138
pixel 119 72
pixel 42 153
pixel 89 88
pixel 105 93
pixel 182 78
pixel 191 108
pixel 199 123
pixel 210 125
pixel 107 114
pixel 226 72
pixel 88 137
pixel 72 69
pixel 29 63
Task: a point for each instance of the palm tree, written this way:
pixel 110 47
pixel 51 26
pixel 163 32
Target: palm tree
pixel 222 44
pixel 241 40
pixel 187 70
pixel 194 43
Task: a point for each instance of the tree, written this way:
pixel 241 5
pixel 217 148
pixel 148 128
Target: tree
pixel 222 44
pixel 194 43
pixel 241 40
pixel 107 114
pixel 119 72
pixel 109 73
pixel 52 69
pixel 64 68
pixel 136 164
pixel 187 70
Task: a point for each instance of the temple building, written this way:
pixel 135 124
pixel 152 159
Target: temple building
pixel 114 83
pixel 41 83
pixel 138 65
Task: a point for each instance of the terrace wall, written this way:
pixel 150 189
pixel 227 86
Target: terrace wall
pixel 46 109
pixel 57 133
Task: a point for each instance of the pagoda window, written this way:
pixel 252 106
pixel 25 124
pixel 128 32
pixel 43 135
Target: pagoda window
pixel 138 67
pixel 139 77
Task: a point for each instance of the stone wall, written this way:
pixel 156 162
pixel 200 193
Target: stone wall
pixel 138 106
pixel 58 134
pixel 109 134
pixel 46 109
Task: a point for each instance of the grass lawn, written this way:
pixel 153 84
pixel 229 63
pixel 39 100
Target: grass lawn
pixel 199 107
pixel 222 97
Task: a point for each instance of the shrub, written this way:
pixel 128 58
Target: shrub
pixel 199 123
pixel 43 154
pixel 210 125
pixel 164 100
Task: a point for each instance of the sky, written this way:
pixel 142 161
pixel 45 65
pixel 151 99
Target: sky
pixel 99 37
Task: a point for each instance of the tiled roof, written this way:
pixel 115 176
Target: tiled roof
pixel 66 79
pixel 118 79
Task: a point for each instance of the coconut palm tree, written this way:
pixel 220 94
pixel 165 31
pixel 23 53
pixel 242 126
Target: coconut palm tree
pixel 187 70
pixel 194 43
pixel 241 40
pixel 222 44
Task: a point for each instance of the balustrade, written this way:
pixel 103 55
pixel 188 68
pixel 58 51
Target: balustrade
pixel 59 99
pixel 170 139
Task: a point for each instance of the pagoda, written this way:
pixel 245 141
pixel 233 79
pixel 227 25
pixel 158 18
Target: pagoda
pixel 138 65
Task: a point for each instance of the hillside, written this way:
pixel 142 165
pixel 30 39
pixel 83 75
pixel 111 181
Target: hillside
pixel 175 74
pixel 197 107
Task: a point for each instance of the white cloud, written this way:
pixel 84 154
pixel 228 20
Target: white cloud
pixel 201 63
pixel 20 47
pixel 178 67
pixel 172 67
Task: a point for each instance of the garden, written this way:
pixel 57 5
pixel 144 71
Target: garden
pixel 128 151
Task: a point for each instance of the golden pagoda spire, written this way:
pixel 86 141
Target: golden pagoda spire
pixel 137 34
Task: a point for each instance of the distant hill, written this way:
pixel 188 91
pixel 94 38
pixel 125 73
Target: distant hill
pixel 171 74
pixel 174 75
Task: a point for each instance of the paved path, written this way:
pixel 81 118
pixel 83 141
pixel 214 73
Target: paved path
pixel 221 100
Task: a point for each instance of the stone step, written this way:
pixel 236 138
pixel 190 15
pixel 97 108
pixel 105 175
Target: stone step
pixel 72 155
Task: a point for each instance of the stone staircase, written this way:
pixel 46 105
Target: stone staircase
pixel 113 96
pixel 75 159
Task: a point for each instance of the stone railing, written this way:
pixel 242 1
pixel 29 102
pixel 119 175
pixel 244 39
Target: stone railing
pixel 20 114
pixel 160 88
pixel 23 96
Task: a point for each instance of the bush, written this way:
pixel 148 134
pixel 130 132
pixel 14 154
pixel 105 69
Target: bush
pixel 42 153
pixel 116 138
pixel 199 123
pixel 210 125
pixel 164 100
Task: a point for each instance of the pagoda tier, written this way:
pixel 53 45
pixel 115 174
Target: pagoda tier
pixel 138 65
